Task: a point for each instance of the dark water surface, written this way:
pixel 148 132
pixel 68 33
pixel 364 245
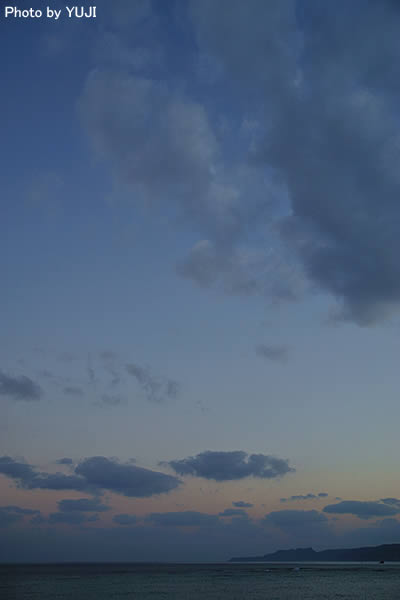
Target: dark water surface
pixel 223 581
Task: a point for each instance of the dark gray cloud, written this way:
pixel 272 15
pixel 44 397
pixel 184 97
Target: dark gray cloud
pixel 224 466
pixel 82 505
pixel 391 501
pixel 323 91
pixel 292 519
pixel 20 511
pixel 309 496
pixel 156 389
pixel 65 461
pixel 327 90
pixel 54 481
pixel 188 518
pixel 91 475
pixel 242 504
pixel 233 512
pixel 19 388
pixel 124 519
pixel 125 479
pixel 15 469
pixel 362 509
pixel 274 353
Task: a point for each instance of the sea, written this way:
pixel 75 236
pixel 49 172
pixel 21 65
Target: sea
pixel 222 581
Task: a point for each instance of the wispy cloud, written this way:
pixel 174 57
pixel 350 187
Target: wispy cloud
pixel 155 388
pixel 273 353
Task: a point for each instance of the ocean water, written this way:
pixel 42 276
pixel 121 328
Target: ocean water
pixel 224 581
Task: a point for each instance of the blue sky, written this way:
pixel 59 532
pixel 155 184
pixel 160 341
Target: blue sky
pixel 198 250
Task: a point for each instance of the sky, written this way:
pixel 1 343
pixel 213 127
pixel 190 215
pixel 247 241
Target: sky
pixel 200 279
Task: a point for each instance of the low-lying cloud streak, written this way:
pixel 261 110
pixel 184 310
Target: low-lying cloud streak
pixel 91 475
pixel 82 505
pixel 365 510
pixel 309 496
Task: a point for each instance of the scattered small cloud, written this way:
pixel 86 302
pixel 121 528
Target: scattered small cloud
pixel 273 353
pixel 242 504
pixel 301 497
pixel 156 389
pixel 19 388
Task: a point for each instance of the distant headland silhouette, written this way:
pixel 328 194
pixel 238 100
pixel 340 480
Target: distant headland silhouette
pixel 386 552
